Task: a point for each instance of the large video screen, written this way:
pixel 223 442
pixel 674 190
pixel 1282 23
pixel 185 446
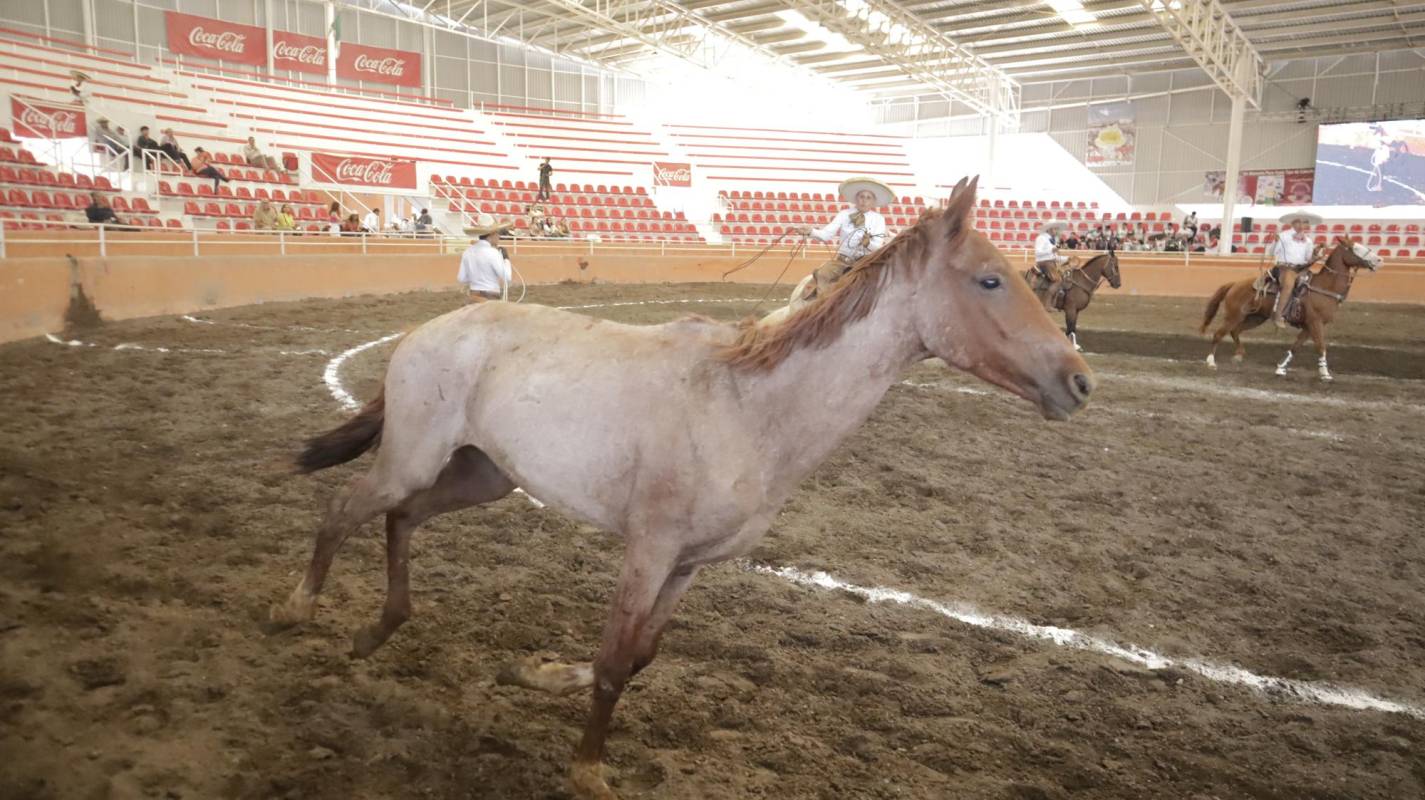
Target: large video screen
pixel 1371 163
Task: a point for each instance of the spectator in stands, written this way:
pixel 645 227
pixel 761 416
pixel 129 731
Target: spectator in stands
pixel 352 225
pixel 145 146
pixel 423 221
pixel 860 227
pixel 534 214
pixel 76 89
pixel 545 170
pixel 265 217
pixel 560 228
pixel 203 165
pixel 334 218
pixel 99 212
pixel 255 157
pixel 372 221
pixel 1190 222
pixel 1071 241
pixel 168 143
pixel 484 270
pixel 286 220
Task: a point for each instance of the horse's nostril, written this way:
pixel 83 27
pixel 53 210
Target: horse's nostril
pixel 1083 384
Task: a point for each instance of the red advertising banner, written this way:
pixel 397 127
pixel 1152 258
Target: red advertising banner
pixel 293 51
pixel 667 173
pixel 32 120
pixel 365 63
pixel 381 173
pixel 1282 187
pixel 213 38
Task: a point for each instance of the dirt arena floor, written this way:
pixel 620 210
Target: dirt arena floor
pixel 147 522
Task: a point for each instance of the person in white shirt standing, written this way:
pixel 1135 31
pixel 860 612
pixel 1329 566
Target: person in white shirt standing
pixel 1292 252
pixel 861 229
pixel 371 223
pixel 484 270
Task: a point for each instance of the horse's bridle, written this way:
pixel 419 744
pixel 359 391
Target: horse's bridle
pixel 1070 276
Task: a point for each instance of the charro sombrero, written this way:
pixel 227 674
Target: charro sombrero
pixel 486 225
pixel 1304 216
pixel 1054 225
pixel 850 187
pixel 78 76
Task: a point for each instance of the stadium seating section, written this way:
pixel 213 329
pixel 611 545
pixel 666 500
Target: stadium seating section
pixel 475 157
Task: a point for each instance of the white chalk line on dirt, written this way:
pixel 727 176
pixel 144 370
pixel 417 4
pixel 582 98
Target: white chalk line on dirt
pixel 1175 416
pixel 1272 686
pixel 1206 386
pixel 251 326
pixel 153 348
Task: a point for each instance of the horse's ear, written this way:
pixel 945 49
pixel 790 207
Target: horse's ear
pixel 962 204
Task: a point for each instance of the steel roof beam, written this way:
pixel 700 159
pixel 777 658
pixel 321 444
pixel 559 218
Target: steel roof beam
pixel 1208 34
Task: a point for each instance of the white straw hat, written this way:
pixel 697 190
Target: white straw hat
pixel 850 187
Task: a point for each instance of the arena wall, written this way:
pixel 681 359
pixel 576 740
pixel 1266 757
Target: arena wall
pixel 35 291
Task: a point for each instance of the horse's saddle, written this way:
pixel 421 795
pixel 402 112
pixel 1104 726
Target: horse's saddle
pixel 1266 283
pixel 1061 289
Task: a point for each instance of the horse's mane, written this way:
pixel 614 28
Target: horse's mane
pixel 851 298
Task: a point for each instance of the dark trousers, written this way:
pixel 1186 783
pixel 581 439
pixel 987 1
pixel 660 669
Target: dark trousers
pixel 212 172
pixel 543 189
pixel 177 155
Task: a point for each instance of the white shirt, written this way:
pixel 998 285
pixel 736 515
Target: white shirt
pixel 371 222
pixel 483 269
pixel 1291 250
pixel 1044 250
pixel 873 230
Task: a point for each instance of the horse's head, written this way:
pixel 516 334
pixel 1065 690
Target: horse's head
pixel 1354 254
pixel 1110 269
pixel 971 310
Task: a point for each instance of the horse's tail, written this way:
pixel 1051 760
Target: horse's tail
pixel 347 441
pixel 1213 304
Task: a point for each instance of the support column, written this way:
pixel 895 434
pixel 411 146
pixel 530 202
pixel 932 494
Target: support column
pixel 329 10
pixel 86 7
pixel 988 181
pixel 267 26
pixel 1234 166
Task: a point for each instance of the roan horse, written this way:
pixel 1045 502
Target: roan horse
pixel 1325 290
pixel 496 395
pixel 1078 285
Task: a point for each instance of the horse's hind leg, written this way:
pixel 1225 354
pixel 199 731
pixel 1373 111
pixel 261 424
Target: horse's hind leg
pixel 1241 351
pixel 468 479
pixel 1290 351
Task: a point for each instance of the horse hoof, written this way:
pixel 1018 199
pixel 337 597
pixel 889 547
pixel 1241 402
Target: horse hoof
pixel 1236 359
pixel 365 642
pixel 1281 373
pixel 1212 361
pixel 1327 378
pixel 588 783
pixel 289 614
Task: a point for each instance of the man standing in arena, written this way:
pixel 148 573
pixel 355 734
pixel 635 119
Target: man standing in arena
pixel 861 229
pixel 1292 252
pixel 545 170
pixel 484 270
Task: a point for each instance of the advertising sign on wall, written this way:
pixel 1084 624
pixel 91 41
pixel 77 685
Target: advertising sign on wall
pixel 293 51
pixel 1280 187
pixel 380 173
pixel 1112 135
pixel 667 173
pixel 213 38
pixel 35 120
pixel 366 63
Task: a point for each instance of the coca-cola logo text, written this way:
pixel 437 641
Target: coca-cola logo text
pixel 57 121
pixel 381 172
pixel 226 41
pixel 395 67
pixel 679 175
pixel 308 54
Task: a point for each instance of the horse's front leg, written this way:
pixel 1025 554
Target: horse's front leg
pixel 647 593
pixel 1286 361
pixel 1071 322
pixel 1318 335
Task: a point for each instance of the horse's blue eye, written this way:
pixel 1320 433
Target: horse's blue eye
pixel 990 283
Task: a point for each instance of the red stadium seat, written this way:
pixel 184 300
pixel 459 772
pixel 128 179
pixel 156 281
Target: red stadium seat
pixel 225 191
pixel 223 225
pixel 17 197
pixel 190 207
pixel 173 223
pixel 101 183
pixel 243 193
pixel 212 210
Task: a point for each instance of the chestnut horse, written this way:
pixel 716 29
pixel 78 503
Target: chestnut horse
pixel 1078 284
pixel 1244 308
pixel 685 438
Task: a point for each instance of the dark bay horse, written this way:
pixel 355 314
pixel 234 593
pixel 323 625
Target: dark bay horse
pixel 1074 291
pixel 692 473
pixel 1244 308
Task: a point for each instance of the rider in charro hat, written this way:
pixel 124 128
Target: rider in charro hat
pixel 1046 252
pixel 861 228
pixel 1292 252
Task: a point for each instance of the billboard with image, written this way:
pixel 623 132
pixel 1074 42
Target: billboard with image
pixel 1371 163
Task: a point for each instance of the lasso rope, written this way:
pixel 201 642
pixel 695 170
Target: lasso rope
pixel 797 251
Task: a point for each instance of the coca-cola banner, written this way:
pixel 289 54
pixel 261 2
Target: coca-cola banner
pixel 33 120
pixel 381 173
pixel 293 51
pixel 213 38
pixel 366 63
pixel 670 174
